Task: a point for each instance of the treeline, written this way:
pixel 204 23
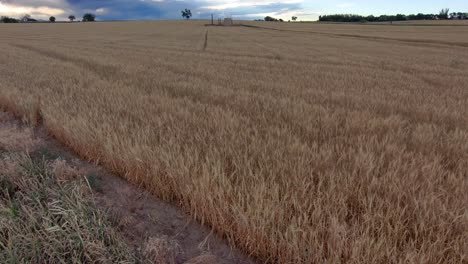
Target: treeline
pixel 88 17
pixel 5 19
pixel 371 18
pixel 444 14
pixel 272 19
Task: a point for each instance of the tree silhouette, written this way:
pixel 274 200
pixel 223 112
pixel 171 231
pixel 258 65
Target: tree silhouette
pixel 443 14
pixel 71 17
pixel 88 17
pixel 5 19
pixel 186 13
pixel 294 18
pixel 52 19
pixel 269 18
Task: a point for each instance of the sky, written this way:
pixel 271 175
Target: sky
pixel 237 9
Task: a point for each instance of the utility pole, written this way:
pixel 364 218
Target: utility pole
pixel 212 22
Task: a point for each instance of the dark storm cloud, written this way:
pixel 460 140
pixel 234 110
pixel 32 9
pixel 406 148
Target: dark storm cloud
pixel 160 9
pixel 131 9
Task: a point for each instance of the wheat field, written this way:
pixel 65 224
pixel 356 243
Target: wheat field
pixel 298 142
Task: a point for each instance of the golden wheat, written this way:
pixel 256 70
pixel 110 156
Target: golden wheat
pixel 305 144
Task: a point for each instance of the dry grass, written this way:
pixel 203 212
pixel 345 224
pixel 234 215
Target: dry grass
pixel 298 147
pixel 48 213
pixel 427 32
pixel 45 219
pixel 161 250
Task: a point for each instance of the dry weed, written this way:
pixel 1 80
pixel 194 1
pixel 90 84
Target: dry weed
pixel 161 250
pixel 44 220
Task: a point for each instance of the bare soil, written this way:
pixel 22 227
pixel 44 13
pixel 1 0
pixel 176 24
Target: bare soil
pixel 140 217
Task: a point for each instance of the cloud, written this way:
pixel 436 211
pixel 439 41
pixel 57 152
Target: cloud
pixel 221 5
pixel 254 9
pixel 40 9
pixel 285 14
pixel 150 9
pixel 102 11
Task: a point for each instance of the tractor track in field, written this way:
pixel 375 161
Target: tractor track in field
pixel 423 42
pixel 205 44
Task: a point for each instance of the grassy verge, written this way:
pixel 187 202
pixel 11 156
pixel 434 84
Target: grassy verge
pixel 47 219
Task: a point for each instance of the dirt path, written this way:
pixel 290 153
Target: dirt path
pixel 140 217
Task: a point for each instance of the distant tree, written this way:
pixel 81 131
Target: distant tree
pixel 52 19
pixel 280 20
pixel 371 18
pixel 444 13
pixel 420 16
pixel 71 17
pixel 88 17
pixel 294 18
pixel 187 13
pixel 269 18
pixel 400 17
pixel 5 19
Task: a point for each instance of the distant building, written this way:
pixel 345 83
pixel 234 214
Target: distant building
pixel 228 22
pixel 28 20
